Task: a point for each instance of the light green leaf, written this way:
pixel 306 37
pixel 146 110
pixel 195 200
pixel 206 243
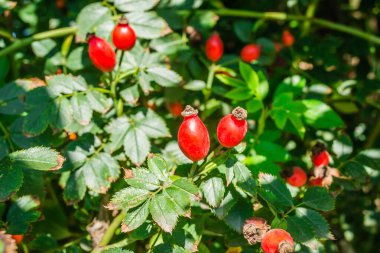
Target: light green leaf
pixel 239 94
pixel 151 124
pixel 134 218
pixel 249 75
pixel 135 5
pixel 254 105
pixel 163 76
pixel 180 200
pixel 128 198
pixel 98 101
pixel 75 187
pixel 118 129
pixel 230 81
pixel 213 190
pixel 169 44
pixel 136 145
pixel 163 212
pixel 320 115
pixel 61 113
pixel 65 84
pixel 81 109
pixel 195 85
pixel 158 167
pixel 42 48
pixel 143 179
pixel 293 84
pixel 148 25
pixel 244 178
pixel 131 95
pixel 319 198
pixel 316 221
pixel 37 158
pixel 275 192
pixel 185 186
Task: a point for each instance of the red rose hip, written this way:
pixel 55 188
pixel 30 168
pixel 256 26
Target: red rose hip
pixel 123 35
pixel 232 128
pixel 101 53
pixel 214 48
pixel 18 238
pixel 297 177
pixel 287 39
pixel 193 137
pixel 175 108
pixel 250 53
pixel 320 156
pixel 277 241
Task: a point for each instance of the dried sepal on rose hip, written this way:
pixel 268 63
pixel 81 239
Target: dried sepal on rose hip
pixel 214 47
pixel 320 156
pixel 295 176
pixel 193 136
pixel 101 53
pixel 277 241
pixel 232 128
pixel 254 229
pixel 123 35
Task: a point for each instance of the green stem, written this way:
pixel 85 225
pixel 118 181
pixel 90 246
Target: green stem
pixel 261 124
pixel 7 136
pixel 111 230
pixel 155 241
pixel 207 90
pixel 309 14
pixel 286 17
pixel 25 248
pixel 18 44
pixel 192 170
pixel 119 244
pixel 7 35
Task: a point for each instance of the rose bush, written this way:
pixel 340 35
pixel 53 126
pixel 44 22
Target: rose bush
pixel 277 148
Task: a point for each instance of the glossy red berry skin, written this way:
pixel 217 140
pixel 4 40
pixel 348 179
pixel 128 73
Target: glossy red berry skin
pixel 214 48
pixel 123 35
pixel 18 238
pixel 287 39
pixel 175 109
pixel 232 128
pixel 250 52
pixel 321 159
pixel 101 53
pixel 298 178
pixel 193 137
pixel 277 241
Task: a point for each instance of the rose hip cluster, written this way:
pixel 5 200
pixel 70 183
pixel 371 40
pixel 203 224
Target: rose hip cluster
pixel 251 52
pixel 101 52
pixel 322 174
pixel 257 230
pixel 194 139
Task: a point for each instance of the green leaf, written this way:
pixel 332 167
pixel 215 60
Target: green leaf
pixel 21 213
pixel 3 148
pixel 238 214
pixel 61 113
pixel 118 129
pixel 11 179
pixel 148 25
pixel 320 115
pixel 239 94
pixel 230 81
pixel 75 187
pixel 263 88
pixel 280 117
pixel 131 95
pixel 158 167
pixel 43 47
pixel 65 84
pixel 135 5
pixel 249 75
pixel 180 200
pixel 254 105
pixel 244 178
pixel 37 120
pixel 275 192
pixel 143 179
pixel 243 29
pixel 163 76
pixel 163 212
pixel 195 85
pixel 225 206
pixel 151 124
pixel 128 198
pixel 300 229
pixel 355 170
pixel 297 123
pixel 93 16
pixel 81 109
pixel 293 84
pixel 185 186
pixel 78 59
pixel 319 198
pixel 342 146
pixel 169 44
pixel 37 158
pixel 316 221
pixel 134 218
pixel 98 101
pixel 272 151
pixel 267 51
pixel 136 145
pixel 213 190
pixel 369 158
